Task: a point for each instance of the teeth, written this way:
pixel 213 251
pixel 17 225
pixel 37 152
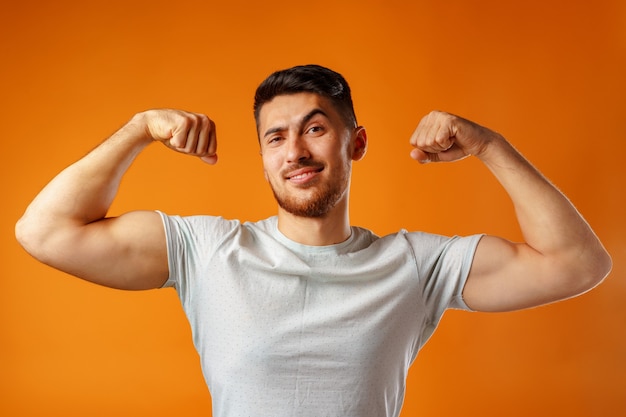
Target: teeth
pixel 300 176
pixel 304 175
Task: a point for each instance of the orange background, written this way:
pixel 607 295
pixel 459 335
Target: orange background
pixel 549 75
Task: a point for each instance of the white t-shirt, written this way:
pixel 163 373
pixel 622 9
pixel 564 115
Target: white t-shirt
pixel 285 329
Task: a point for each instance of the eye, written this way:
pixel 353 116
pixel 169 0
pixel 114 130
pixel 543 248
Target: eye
pixel 273 140
pixel 316 129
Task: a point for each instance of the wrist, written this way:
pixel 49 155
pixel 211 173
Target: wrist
pixel 494 146
pixel 137 129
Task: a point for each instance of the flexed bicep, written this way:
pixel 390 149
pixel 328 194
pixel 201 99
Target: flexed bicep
pixel 65 225
pixel 126 252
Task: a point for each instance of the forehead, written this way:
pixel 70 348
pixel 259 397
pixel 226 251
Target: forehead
pixel 291 108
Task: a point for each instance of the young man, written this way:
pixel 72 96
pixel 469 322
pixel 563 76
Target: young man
pixel 303 314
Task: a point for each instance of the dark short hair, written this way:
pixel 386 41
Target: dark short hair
pixel 307 79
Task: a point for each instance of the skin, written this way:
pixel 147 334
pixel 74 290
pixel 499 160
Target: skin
pixel 561 256
pixel 308 150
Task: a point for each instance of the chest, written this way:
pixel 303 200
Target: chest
pixel 280 326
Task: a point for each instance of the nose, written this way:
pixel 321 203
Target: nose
pixel 297 150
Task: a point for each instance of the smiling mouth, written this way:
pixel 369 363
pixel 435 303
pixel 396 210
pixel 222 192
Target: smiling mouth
pixel 303 175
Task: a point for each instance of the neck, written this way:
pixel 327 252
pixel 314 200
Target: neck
pixel 317 231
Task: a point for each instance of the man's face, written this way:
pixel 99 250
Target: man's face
pixel 307 152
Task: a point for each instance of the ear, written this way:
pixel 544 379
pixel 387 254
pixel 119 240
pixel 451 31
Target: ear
pixel 360 144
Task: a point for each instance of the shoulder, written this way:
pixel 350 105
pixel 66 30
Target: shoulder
pixel 198 220
pixel 432 246
pixel 196 227
pixel 435 240
pixel 215 227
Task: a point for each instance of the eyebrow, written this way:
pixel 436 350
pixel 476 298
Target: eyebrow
pixel 303 121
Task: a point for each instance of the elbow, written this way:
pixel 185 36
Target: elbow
pixel 596 268
pixel 31 237
pixel 24 233
pixel 604 265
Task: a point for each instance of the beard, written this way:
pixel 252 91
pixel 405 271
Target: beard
pixel 322 197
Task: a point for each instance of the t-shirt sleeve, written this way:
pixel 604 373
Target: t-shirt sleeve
pixel 446 269
pixel 443 265
pixel 191 242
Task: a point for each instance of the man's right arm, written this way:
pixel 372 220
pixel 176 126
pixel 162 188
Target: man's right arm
pixel 66 226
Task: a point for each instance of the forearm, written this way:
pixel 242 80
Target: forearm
pixel 83 192
pixel 549 222
pixel 66 225
pixel 560 256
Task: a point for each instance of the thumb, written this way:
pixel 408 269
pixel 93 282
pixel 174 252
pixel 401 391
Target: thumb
pixel 422 157
pixel 454 153
pixel 178 138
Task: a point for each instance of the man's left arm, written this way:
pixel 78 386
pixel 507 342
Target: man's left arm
pixel 560 257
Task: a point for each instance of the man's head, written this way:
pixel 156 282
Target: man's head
pixel 308 138
pixel 307 79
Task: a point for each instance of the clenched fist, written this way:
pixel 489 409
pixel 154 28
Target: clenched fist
pixel 445 137
pixel 189 133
